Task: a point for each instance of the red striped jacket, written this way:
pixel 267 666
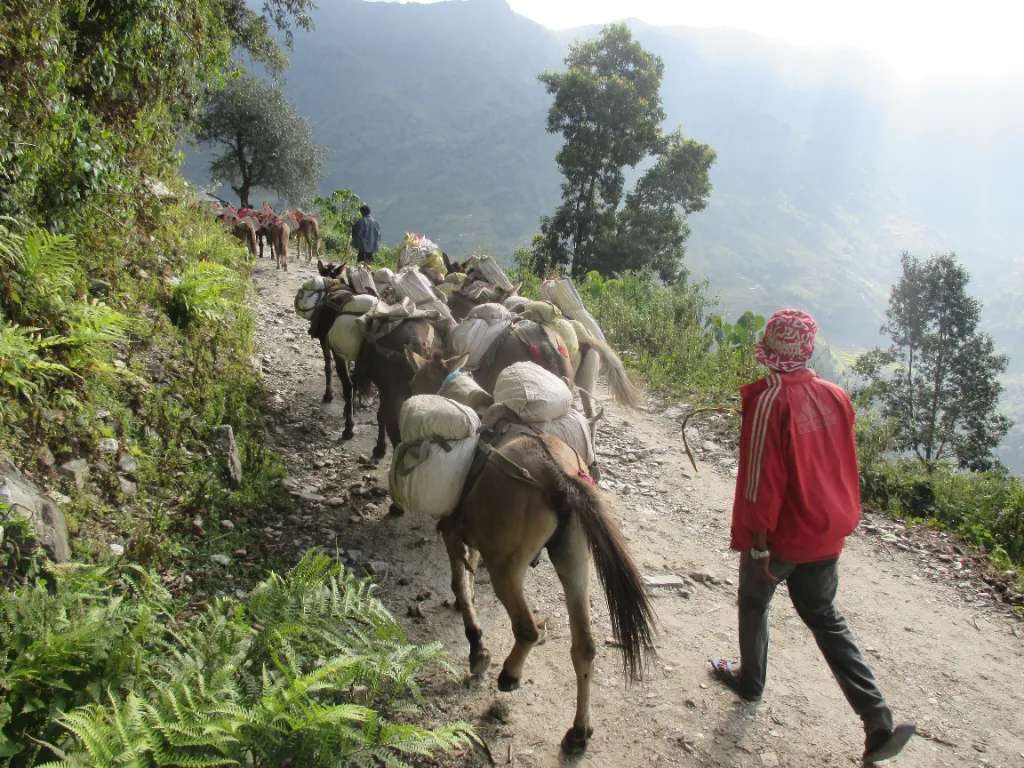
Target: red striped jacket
pixel 798 467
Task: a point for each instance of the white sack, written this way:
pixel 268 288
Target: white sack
pixel 360 304
pixel 562 293
pixel 474 338
pixel 515 303
pixel 533 393
pixel 309 296
pixel 346 336
pixel 428 416
pixel 574 430
pixel 425 479
pixel 489 312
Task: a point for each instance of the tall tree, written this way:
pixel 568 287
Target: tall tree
pixel 939 380
pixel 608 108
pixel 265 143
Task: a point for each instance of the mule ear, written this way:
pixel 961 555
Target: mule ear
pixel 455 363
pixel 517 289
pixel 415 360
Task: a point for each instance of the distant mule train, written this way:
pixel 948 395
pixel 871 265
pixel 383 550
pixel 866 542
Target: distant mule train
pixel 477 392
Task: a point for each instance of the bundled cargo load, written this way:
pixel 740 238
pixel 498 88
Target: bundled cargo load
pixel 461 387
pixel 430 466
pixel 420 251
pixel 361 279
pixel 532 393
pixel 489 269
pixel 412 284
pixel 309 296
pixel 383 277
pixel 573 429
pixel 561 292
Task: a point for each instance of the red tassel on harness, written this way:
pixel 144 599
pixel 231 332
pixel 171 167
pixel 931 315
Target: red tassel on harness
pixel 536 354
pixel 585 477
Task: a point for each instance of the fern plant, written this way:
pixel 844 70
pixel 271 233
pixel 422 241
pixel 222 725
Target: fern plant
pixel 294 674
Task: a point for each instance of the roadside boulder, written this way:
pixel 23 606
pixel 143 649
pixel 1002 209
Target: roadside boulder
pixel 223 438
pixel 27 500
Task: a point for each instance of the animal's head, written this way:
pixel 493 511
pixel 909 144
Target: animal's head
pixel 330 269
pixel 430 373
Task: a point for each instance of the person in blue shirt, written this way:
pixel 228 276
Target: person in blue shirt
pixel 366 235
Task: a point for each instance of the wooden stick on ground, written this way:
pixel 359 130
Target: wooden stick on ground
pixel 709 409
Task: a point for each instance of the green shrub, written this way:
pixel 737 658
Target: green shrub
pixel 986 508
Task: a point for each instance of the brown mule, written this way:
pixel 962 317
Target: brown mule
pixel 279 234
pixel 384 363
pixel 528 497
pixel 245 231
pixel 531 494
pixel 309 231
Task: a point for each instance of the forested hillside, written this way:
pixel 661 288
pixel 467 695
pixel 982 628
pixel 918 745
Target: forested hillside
pixel 828 167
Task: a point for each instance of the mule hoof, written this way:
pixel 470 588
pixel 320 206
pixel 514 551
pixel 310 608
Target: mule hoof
pixel 395 511
pixel 575 740
pixel 478 664
pixel 327 398
pixel 506 682
pixel 348 434
pixel 377 455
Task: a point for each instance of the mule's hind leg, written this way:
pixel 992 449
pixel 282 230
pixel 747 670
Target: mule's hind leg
pixel 508 586
pixel 572 564
pixel 459 555
pixel 346 391
pixel 328 389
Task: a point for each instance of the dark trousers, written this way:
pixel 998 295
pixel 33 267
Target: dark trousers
pixel 812 588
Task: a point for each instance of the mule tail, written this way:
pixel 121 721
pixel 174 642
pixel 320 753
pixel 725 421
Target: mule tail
pixel 632 616
pixel 623 389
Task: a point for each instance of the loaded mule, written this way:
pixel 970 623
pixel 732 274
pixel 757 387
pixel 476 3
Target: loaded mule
pixel 524 494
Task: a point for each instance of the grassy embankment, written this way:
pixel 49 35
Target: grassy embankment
pixel 125 339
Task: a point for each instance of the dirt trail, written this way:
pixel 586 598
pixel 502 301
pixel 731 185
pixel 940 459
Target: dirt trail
pixel 945 654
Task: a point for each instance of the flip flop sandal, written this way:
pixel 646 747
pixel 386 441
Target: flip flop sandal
pixel 724 671
pixel 891 746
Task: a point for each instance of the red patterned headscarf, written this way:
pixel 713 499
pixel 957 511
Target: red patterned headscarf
pixel 788 340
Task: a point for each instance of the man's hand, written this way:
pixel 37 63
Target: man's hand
pixel 760 542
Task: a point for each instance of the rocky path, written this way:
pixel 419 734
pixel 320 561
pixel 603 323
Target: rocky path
pixel 945 653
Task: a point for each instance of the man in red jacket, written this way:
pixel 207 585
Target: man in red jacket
pixel 797 499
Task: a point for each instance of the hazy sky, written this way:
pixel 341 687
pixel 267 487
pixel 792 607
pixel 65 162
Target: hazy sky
pixel 916 37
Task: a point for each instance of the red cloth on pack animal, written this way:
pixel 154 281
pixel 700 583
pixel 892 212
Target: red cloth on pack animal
pixel 798 467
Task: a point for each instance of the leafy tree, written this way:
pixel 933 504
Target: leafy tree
pixel 939 380
pixel 338 212
pixel 265 143
pixel 94 94
pixel 608 108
